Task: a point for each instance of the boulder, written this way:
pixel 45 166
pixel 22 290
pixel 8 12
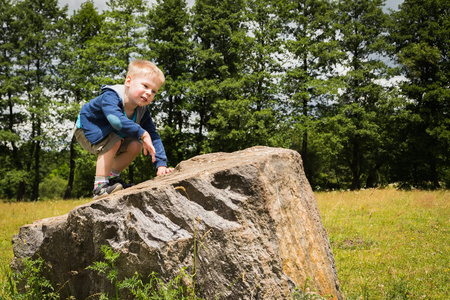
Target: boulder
pixel 247 223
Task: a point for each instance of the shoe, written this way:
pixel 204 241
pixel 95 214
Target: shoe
pixel 106 189
pixel 117 179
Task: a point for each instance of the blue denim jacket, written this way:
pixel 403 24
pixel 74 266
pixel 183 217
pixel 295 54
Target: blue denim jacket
pixel 104 114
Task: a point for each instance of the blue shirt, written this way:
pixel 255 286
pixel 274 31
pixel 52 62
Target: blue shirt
pixel 105 113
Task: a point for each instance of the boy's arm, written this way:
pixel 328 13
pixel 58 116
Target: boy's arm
pixel 115 116
pixel 148 147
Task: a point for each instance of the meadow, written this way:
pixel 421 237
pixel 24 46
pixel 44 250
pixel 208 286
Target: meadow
pixel 387 244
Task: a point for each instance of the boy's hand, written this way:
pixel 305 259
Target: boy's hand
pixel 163 170
pixel 148 145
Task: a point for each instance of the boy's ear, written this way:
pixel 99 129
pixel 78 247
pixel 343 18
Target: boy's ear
pixel 128 81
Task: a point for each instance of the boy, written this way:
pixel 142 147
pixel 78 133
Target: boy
pixel 117 125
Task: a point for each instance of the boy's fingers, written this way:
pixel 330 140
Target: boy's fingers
pixel 151 151
pixel 163 170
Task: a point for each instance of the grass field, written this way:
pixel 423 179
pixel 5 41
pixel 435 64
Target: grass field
pixel 390 244
pixel 387 244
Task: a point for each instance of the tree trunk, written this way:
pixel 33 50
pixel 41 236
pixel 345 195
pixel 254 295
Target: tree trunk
pixel 372 179
pixel 131 173
pixel 355 166
pixel 68 192
pixel 305 141
pixel 434 174
pixel 200 129
pixel 37 163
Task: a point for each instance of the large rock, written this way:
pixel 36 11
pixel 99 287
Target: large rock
pixel 251 214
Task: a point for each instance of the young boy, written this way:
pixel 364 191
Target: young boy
pixel 117 125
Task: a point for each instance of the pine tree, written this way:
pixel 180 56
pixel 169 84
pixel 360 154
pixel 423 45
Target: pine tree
pixel 310 27
pixel 10 90
pixel 41 24
pixel 216 63
pixel 121 39
pixel 247 118
pixel 421 33
pixel 363 29
pixel 76 71
pixel 169 39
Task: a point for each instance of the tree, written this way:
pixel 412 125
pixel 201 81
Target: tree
pixel 41 24
pixel 362 36
pixel 121 39
pixel 75 87
pixel 312 54
pixel 247 118
pixel 11 116
pixel 169 39
pixel 421 33
pixel 216 63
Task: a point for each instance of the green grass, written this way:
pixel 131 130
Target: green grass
pixel 387 244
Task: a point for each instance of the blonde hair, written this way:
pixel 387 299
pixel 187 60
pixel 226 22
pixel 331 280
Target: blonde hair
pixel 142 66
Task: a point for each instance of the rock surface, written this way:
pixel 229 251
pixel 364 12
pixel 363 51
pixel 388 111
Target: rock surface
pixel 251 215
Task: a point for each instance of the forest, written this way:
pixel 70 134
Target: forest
pixel 361 93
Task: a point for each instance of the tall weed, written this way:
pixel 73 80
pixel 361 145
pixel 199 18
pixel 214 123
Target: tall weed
pixel 29 283
pixel 154 288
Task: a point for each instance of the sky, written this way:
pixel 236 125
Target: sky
pixel 101 4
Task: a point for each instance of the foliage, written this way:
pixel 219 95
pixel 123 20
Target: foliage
pixel 155 288
pixel 312 54
pixel 420 33
pixel 107 267
pixel 52 187
pixel 41 28
pixel 169 38
pixel 29 283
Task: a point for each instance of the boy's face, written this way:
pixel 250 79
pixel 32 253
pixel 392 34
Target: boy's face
pixel 142 88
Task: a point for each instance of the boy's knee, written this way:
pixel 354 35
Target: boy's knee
pixel 135 147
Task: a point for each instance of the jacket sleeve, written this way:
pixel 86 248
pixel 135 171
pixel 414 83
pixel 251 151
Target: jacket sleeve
pixel 149 126
pixel 115 116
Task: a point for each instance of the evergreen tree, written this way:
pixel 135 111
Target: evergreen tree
pixel 310 76
pixel 421 33
pixel 216 64
pixel 76 71
pixel 169 40
pixel 41 24
pixel 248 117
pixel 11 115
pixel 362 32
pixel 120 40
